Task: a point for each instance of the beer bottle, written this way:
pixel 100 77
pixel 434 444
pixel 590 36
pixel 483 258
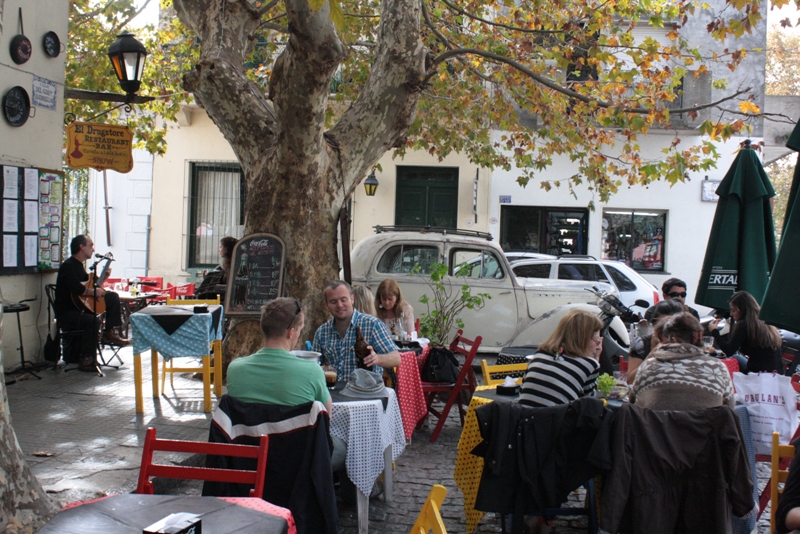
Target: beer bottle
pixel 360 348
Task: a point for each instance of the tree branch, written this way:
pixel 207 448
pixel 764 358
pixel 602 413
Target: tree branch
pixel 380 117
pixel 497 24
pixel 543 80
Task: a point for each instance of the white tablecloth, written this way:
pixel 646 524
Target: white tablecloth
pixel 368 430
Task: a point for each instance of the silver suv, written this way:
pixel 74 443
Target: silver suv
pixel 630 284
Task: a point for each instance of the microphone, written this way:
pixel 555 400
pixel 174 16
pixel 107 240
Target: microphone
pixel 107 256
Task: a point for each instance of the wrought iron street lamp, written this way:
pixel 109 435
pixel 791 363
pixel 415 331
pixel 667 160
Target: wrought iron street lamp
pixel 127 56
pixel 371 184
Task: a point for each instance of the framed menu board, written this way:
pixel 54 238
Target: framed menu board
pixel 32 206
pixel 256 274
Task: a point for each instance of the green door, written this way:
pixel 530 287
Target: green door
pixel 427 196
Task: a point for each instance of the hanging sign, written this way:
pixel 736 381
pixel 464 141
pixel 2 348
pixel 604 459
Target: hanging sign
pixel 99 146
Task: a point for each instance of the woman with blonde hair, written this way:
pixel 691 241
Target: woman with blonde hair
pixel 397 314
pixel 362 300
pixel 566 366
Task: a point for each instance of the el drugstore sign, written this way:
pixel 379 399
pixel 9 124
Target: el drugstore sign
pixel 99 146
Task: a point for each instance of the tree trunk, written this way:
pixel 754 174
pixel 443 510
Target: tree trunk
pixel 299 175
pixel 24 505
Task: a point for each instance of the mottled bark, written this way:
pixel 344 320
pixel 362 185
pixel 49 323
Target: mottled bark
pixel 298 175
pixel 24 505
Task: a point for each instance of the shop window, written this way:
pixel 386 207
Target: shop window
pixel 635 238
pixel 555 231
pixel 216 210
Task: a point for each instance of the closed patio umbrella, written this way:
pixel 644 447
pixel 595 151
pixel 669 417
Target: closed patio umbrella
pixel 780 306
pixel 741 246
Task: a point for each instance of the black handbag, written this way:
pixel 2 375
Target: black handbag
pixel 441 366
pixel 52 347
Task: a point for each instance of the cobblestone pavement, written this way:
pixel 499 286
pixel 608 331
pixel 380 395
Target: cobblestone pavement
pixel 82 439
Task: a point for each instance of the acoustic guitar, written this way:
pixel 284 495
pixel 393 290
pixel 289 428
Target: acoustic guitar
pixel 96 305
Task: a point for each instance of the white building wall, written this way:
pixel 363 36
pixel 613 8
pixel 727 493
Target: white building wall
pixel 688 220
pixel 37 143
pixel 130 198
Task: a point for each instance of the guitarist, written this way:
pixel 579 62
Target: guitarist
pixel 72 283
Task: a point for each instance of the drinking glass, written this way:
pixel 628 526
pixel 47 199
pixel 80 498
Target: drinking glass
pixel 708 343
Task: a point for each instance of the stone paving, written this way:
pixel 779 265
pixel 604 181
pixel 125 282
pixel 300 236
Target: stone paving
pixel 82 439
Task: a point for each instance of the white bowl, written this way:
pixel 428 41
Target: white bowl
pixel 308 355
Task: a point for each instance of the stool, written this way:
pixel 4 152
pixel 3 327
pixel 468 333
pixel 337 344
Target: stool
pixel 17 309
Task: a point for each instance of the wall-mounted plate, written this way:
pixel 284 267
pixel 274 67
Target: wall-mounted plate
pixel 21 49
pixel 51 44
pixel 16 106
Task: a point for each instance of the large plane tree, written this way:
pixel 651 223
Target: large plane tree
pixel 310 94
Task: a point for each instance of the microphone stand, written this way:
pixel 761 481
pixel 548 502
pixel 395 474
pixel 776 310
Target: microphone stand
pixel 93 268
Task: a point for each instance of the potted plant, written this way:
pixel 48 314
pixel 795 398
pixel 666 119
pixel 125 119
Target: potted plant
pixel 446 302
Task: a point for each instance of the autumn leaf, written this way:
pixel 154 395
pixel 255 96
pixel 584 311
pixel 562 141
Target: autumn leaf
pixel 748 107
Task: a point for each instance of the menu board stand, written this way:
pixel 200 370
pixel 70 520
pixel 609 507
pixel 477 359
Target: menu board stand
pixel 256 274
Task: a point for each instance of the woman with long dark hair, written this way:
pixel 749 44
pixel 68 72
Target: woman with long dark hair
pixel 396 313
pixel 566 366
pixel 757 342
pixel 219 276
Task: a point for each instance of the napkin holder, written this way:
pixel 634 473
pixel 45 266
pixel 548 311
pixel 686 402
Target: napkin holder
pixel 180 523
pixel 201 309
pixel 508 388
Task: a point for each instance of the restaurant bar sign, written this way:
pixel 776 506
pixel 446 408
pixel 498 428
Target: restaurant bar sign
pixel 99 146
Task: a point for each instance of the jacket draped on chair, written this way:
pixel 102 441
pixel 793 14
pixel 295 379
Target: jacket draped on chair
pixel 299 475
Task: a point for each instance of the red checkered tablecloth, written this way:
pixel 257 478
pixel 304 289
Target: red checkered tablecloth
pixel 409 390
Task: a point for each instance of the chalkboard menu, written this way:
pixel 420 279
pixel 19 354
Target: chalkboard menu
pixel 256 274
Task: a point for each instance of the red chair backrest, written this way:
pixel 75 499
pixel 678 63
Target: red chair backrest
pixel 185 290
pixel 149 469
pixel 109 283
pixel 159 282
pixel 469 350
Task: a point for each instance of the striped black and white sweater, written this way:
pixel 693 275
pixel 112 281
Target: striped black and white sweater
pixel 552 380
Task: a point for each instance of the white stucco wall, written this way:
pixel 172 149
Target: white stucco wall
pixel 195 139
pixel 688 220
pixel 37 143
pixel 130 197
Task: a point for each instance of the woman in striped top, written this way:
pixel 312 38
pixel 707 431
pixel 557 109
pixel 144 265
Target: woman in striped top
pixel 566 365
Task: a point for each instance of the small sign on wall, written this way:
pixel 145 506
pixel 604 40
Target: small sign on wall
pixel 505 199
pixel 709 191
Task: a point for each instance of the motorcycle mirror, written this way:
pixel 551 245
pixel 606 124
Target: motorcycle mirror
pixel 642 303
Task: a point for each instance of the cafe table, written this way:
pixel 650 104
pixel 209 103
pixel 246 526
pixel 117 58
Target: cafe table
pixel 178 332
pixel 130 303
pixel 130 513
pixel 373 431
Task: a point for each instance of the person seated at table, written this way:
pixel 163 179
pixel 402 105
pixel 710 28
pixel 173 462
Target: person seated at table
pixel 641 346
pixel 273 375
pixel 566 366
pixel 396 314
pixel 219 276
pixel 362 300
pixel 336 337
pixel 73 313
pixel 758 344
pixel 678 374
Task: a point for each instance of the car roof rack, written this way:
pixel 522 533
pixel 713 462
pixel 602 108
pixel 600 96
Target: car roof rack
pixel 577 257
pixel 433 230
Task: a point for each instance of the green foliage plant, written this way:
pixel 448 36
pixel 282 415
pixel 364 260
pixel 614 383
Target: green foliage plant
pixel 446 302
pixel 605 383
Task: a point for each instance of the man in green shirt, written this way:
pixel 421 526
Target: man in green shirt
pixel 273 375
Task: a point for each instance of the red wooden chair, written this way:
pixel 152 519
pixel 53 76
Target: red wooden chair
pixel 466 382
pixel 149 469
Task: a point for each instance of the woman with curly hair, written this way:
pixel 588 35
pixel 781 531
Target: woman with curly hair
pixel 758 343
pixel 397 314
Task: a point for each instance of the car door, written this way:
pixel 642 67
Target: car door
pixel 485 272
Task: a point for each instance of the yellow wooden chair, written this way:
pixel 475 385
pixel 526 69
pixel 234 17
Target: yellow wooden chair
pixel 779 476
pixel 490 370
pixel 429 518
pixel 205 369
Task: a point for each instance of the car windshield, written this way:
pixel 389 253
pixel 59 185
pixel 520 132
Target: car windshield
pixel 623 282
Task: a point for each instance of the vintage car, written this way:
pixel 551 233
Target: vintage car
pixel 513 315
